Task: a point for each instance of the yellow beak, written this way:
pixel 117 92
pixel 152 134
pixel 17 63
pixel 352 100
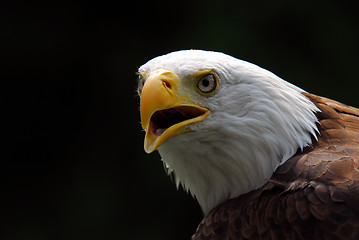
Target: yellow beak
pixel 164 113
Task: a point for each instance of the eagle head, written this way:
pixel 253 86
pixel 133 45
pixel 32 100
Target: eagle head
pixel 221 125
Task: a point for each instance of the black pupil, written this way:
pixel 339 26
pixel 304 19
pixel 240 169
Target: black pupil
pixel 205 82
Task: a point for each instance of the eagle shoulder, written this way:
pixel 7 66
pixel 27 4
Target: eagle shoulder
pixel 314 195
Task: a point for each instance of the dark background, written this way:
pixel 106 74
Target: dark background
pixel 73 164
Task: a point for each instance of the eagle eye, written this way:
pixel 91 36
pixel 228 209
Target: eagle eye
pixel 207 84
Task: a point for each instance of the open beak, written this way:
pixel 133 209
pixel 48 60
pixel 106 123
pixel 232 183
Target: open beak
pixel 164 113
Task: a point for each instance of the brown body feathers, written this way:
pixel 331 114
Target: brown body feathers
pixel 314 195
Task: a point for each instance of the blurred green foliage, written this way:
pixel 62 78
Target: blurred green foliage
pixel 75 167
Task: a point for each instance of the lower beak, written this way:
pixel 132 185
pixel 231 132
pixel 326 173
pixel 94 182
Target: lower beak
pixel 164 114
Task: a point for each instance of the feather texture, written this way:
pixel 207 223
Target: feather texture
pixel 314 195
pixel 257 122
pixel 270 161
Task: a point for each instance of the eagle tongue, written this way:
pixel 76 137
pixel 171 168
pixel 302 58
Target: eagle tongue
pixel 159 131
pixel 164 119
pixel 169 117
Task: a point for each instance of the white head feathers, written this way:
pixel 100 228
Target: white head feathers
pixel 257 122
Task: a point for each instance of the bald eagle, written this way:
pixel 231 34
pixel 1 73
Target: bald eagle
pixel 264 158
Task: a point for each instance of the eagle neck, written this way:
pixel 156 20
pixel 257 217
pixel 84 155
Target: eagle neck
pixel 234 156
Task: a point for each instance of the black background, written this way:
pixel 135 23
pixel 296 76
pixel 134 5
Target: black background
pixel 73 164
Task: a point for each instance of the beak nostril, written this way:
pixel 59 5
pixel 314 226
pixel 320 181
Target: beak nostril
pixel 167 84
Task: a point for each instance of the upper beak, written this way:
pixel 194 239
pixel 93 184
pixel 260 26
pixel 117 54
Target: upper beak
pixel 164 113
